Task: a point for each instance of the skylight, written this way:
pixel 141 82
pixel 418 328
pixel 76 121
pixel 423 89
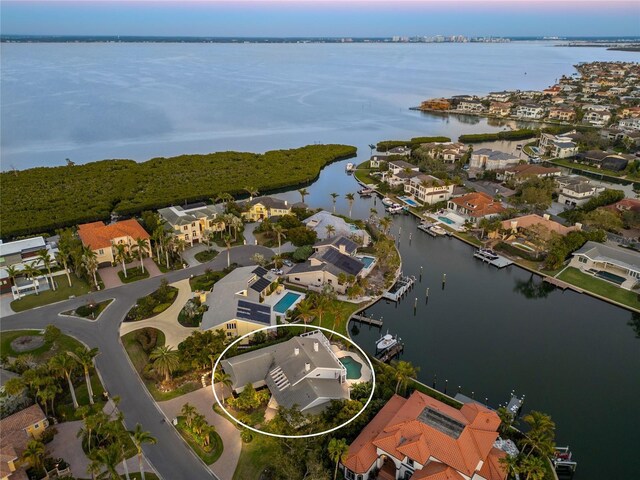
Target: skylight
pixel 441 422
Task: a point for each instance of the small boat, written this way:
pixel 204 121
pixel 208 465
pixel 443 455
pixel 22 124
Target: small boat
pixel 395 209
pixel 386 342
pixel 350 167
pixel 387 201
pixel 366 192
pixel 425 226
pixel 438 230
pixel 487 253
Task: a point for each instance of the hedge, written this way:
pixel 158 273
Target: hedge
pixel 506 135
pixel 414 142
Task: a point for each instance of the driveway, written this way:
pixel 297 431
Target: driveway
pixel 5 305
pixel 110 278
pixel 203 400
pixel 189 255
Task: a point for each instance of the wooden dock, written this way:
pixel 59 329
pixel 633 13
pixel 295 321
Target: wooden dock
pixel 367 320
pixel 499 262
pixel 388 354
pixel 562 285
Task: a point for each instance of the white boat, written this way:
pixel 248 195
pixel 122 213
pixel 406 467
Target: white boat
pixel 350 167
pixel 487 253
pixel 425 226
pixel 387 201
pixel 438 230
pixel 395 209
pixel 366 192
pixel 386 342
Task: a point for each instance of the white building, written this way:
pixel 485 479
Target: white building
pixel 530 111
pixel 19 254
pixel 488 159
pixel 428 189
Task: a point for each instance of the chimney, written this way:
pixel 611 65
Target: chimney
pixel 315 346
pixel 307 367
pixel 342 249
pixel 296 351
pixel 578 225
pixel 286 203
pixel 546 216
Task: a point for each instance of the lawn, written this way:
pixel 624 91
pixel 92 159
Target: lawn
pixel 63 344
pixel 64 291
pixel 85 311
pixel 595 285
pixel 133 275
pixel 346 308
pixel 204 282
pixel 206 256
pixel 588 168
pixel 153 304
pixel 215 448
pixel 255 457
pixel 137 476
pixel 362 174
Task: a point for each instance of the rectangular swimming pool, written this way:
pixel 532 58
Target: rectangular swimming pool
pixel 446 220
pixel 367 261
pixel 285 302
pixel 612 277
pixel 408 201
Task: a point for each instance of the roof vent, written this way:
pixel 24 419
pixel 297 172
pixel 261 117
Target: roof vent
pixel 315 346
pixel 307 367
pixel 296 351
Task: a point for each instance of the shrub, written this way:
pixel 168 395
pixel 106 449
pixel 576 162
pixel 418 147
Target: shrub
pixel 147 338
pixel 302 253
pixel 161 308
pixel 300 236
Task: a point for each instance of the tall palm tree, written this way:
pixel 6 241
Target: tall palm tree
pixel 84 357
pixel 62 257
pixel 140 437
pixel 330 230
pixel 64 365
pixel 338 450
pixel 188 412
pixel 90 263
pixel 303 193
pixel 319 307
pixel 532 468
pixel 141 246
pixel 334 196
pixel 236 224
pixel 338 316
pixel 13 273
pixel 403 372
pixel 223 197
pixel 385 224
pixel 45 260
pixel 373 214
pixel 32 272
pixel 34 454
pixel 109 458
pixel 305 312
pixel 224 379
pixel 227 241
pixel 541 433
pixel 252 191
pixel 279 231
pixel 350 198
pixel 121 256
pixel 165 361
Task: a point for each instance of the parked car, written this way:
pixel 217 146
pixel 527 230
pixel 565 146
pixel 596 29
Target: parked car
pixel 277 271
pixel 287 263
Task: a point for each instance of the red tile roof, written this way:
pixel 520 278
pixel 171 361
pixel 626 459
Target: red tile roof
pixel 478 204
pixel 547 225
pixel 98 235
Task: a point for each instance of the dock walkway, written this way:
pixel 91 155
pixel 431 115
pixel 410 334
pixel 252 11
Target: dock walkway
pixel 389 353
pixel 499 262
pixel 367 320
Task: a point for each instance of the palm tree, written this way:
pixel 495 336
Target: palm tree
pixel 303 193
pixel 45 259
pixel 338 450
pixel 403 371
pixel 13 273
pixel 541 433
pixel 140 437
pixel 236 224
pixel 319 308
pixel 223 197
pixel 121 256
pixel 510 464
pixel 385 224
pixel 305 312
pixel 84 357
pixel 32 272
pixel 279 231
pixel 252 191
pixel 224 379
pixel 330 230
pixel 532 468
pixel 338 316
pixel 62 257
pixel 64 365
pixel 165 361
pixel 90 263
pixel 189 412
pixel 109 458
pixel 141 246
pixel 334 196
pixel 350 198
pixel 373 214
pixel 34 453
pixel 227 241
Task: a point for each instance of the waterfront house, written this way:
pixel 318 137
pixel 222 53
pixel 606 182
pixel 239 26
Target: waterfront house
pixel 436 104
pixel 303 371
pixel 424 438
pixel 534 226
pixel 17 431
pixel 448 152
pixel 193 223
pixel 605 160
pixel 236 304
pixel 475 206
pixel 488 159
pixel 522 173
pixel 376 160
pixel 563 114
pixel 428 189
pixel 558 146
pixel 503 96
pixel 260 208
pixel 321 220
pixel 575 194
pixel 19 254
pixel 500 109
pixel 530 111
pixel 102 239
pixel 610 263
pixel 399 172
pixel 402 151
pixel 470 106
pixel 597 118
pixel 333 260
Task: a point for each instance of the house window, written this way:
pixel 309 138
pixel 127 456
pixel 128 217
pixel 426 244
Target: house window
pixel 296 278
pixel 229 334
pixel 231 326
pixel 410 462
pixel 101 251
pixel 349 475
pixel 582 259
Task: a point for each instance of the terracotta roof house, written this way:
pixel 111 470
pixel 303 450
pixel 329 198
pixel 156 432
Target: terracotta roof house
pixel 626 205
pixel 475 206
pixel 425 439
pixel 17 430
pixel 521 173
pixel 102 239
pixel 543 224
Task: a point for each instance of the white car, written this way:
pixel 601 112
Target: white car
pixel 277 271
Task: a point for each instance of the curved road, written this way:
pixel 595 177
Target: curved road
pixel 171 457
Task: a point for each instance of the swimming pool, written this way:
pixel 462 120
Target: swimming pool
pixel 408 201
pixel 353 367
pixel 612 277
pixel 367 261
pixel 285 302
pixel 446 220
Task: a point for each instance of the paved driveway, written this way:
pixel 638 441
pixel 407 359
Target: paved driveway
pixel 203 400
pixel 5 305
pixel 110 278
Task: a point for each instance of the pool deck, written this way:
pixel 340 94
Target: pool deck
pixel 365 371
pixel 275 297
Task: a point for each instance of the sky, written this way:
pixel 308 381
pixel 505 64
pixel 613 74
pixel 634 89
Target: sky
pixel 335 18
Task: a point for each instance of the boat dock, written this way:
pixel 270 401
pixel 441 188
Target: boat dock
pixel 515 405
pixel 367 320
pixel 426 228
pixel 499 262
pixel 390 353
pixel 402 286
pixel 562 285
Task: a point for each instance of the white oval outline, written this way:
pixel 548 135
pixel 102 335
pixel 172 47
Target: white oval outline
pixel 272 327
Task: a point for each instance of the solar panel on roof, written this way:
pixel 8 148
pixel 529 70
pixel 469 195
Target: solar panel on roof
pixel 441 422
pixel 260 284
pixel 344 262
pixel 254 311
pixel 260 271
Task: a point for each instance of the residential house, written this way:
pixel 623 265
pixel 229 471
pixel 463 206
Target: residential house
pixel 500 109
pixel 616 265
pixel 428 189
pixel 530 111
pixel 522 173
pixel 488 159
pixel 426 439
pixel 563 114
pixel 626 205
pixel 303 372
pixel 376 160
pixel 629 123
pixel 630 112
pixel 448 152
pixel 17 431
pixel 333 259
pixel 503 96
pixel 552 91
pixel 236 303
pixel 193 223
pixel 321 220
pixel 577 193
pixel 542 226
pixel 470 106
pixel 102 239
pixel 605 160
pixel 260 208
pixel 19 254
pixel 597 118
pixel 399 172
pixel 475 206
pixel 558 146
pixel 402 151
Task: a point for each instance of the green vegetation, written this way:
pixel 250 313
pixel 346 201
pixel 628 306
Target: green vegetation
pixel 201 437
pixel 90 310
pixel 205 282
pixel 153 304
pixel 133 275
pixel 206 255
pixel 63 292
pixel 607 197
pixel 81 193
pixel 560 247
pixel 255 457
pixel 600 287
pixel 521 134
pixel 414 142
pixel 192 312
pixel 54 344
pixel 363 175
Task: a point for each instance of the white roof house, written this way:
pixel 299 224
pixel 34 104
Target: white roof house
pixel 319 222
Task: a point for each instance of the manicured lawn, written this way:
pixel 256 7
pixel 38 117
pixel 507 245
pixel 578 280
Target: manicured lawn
pixel 206 256
pixel 151 305
pixel 469 238
pixel 346 308
pixel 592 284
pixel 89 312
pixel 133 275
pixel 63 292
pixel 205 282
pixel 63 344
pixel 255 457
pixel 137 476
pixel 363 176
pixel 214 450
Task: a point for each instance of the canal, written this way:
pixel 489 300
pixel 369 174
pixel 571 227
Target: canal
pixel 492 331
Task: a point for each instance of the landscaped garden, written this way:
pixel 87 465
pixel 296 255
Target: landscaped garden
pixel 192 312
pixel 153 304
pixel 133 275
pixel 91 310
pixel 199 434
pixel 600 287
pixel 206 255
pixel 63 292
pixel 205 282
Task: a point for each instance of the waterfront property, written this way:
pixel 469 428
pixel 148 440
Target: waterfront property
pixel 530 111
pixel 428 189
pixel 475 206
pixel 321 220
pixel 576 191
pixel 260 208
pixel 304 372
pixel 522 173
pixel 237 303
pixel 528 231
pixel 423 438
pixel 102 239
pixel 17 431
pixel 399 172
pixel 193 223
pixel 488 159
pixel 614 264
pixel 19 254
